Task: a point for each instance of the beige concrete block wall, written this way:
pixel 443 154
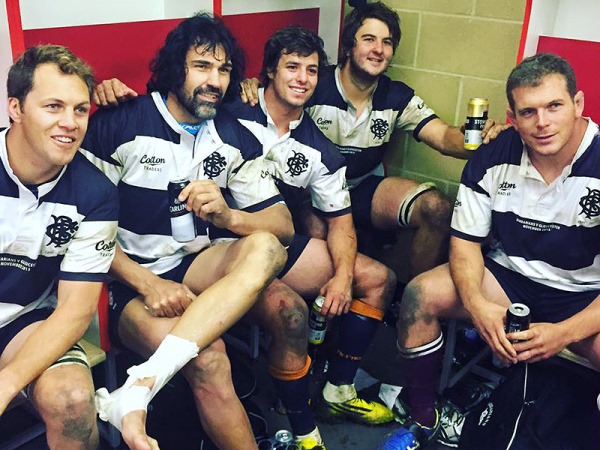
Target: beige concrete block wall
pixel 451 50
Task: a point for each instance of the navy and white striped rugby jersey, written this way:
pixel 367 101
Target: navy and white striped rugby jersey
pixel 141 147
pixel 363 140
pixel 301 159
pixel 548 233
pixel 65 231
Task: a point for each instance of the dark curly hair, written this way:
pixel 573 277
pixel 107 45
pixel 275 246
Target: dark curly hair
pixel 287 41
pixel 357 17
pixel 200 30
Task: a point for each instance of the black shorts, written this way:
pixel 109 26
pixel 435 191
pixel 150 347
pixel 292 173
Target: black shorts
pixel 9 331
pixel 294 250
pixel 119 295
pixel 361 197
pixel 547 304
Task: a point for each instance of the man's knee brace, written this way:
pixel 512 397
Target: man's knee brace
pixel 406 207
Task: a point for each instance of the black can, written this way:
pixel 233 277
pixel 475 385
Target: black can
pixel 183 228
pixel 518 318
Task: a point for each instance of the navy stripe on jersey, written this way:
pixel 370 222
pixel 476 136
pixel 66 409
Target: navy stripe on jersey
pixel 391 94
pixel 140 146
pixel 363 140
pixel 309 134
pixel 324 93
pixel 25 279
pixel 306 133
pixel 7 187
pixel 588 165
pixel 68 233
pixel 507 148
pixel 113 127
pixel 522 237
pixel 549 233
pixel 360 162
pixel 304 159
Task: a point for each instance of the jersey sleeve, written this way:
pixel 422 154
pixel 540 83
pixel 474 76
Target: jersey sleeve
pixel 92 248
pixel 329 192
pixel 251 186
pixel 415 116
pixel 472 218
pixel 103 138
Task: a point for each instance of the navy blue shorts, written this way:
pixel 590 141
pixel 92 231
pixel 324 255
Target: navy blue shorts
pixel 9 331
pixel 361 197
pixel 547 304
pixel 120 295
pixel 295 249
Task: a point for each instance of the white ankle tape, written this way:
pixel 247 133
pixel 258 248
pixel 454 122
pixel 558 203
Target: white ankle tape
pixel 339 394
pixel 172 354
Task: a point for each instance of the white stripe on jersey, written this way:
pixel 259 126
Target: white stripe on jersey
pixel 544 230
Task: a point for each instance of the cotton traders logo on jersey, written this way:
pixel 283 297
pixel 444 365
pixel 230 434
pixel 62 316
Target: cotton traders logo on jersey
pixel 506 188
pixel 152 163
pixel 214 164
pixel 105 248
pixel 297 164
pixel 324 123
pixel 61 231
pixel 590 204
pixel 379 128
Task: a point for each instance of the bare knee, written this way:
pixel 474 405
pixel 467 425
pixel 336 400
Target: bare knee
pixel 433 209
pixel 375 282
pixel 286 312
pixel 415 307
pixel 66 405
pixel 273 253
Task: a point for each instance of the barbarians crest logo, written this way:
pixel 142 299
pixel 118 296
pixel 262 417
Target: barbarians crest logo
pixel 379 128
pixel 61 231
pixel 214 164
pixel 297 164
pixel 590 204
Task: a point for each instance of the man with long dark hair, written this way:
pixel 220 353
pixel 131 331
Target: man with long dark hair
pixel 172 300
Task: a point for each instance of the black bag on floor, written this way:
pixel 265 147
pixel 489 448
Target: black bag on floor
pixel 538 406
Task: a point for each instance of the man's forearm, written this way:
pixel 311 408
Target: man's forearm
pixel 275 219
pixel 130 272
pixel 467 269
pixel 341 242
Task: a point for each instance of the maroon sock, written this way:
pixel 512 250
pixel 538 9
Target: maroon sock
pixel 422 377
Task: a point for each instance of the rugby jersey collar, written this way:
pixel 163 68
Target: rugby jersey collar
pixel 368 107
pixel 528 170
pixel 206 134
pixel 270 123
pixel 42 189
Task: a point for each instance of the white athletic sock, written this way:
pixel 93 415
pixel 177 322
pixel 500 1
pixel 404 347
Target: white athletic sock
pixel 339 394
pixel 172 354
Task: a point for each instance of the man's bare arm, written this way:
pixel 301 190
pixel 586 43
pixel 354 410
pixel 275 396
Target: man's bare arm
pixel 341 242
pixel 449 140
pixel 467 270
